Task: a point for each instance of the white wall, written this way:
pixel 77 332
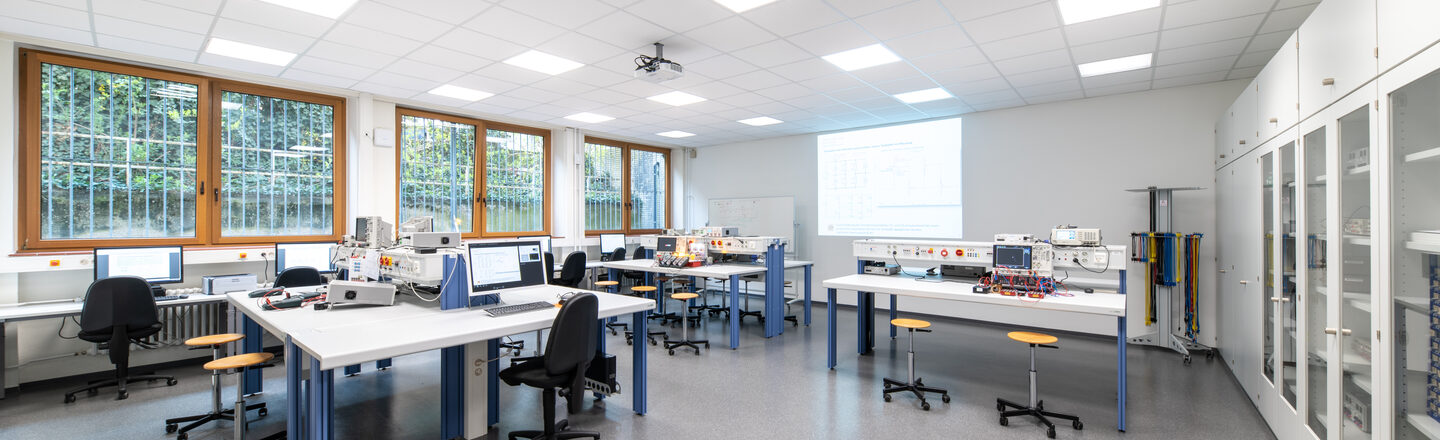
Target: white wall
pixel 1078 158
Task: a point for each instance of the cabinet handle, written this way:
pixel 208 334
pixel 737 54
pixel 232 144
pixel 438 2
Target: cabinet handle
pixel 1244 281
pixel 1242 142
pixel 1327 82
pixel 1223 270
pixel 1274 120
pixel 1274 299
pixel 1343 331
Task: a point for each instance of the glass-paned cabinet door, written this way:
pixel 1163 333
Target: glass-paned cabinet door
pixel 1317 362
pixel 1287 272
pixel 1415 194
pixel 1353 131
pixel 1267 199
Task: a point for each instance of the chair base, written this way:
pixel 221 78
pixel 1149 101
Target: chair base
pixel 759 316
pixel 1038 411
pixel 560 433
pixel 650 335
pixel 672 345
pixel 171 425
pixel 614 325
pixel 918 389
pixel 95 386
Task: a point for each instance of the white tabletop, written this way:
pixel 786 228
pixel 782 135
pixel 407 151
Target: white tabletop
pixel 1110 304
pixel 350 335
pixel 791 264
pixel 710 271
pixel 66 308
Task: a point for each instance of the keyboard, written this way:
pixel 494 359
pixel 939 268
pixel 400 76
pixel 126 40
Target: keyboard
pixel 511 309
pixel 170 297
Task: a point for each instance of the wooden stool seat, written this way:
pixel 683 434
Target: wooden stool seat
pixel 685 295
pixel 909 323
pixel 1032 337
pixel 239 361
pixel 643 289
pixel 207 340
pixel 789 283
pixel 607 283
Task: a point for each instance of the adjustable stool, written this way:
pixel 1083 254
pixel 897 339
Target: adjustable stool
pixel 913 385
pixel 240 362
pixel 650 335
pixel 685 297
pixel 216 411
pixel 791 318
pixel 611 323
pixel 1037 407
pixel 745 311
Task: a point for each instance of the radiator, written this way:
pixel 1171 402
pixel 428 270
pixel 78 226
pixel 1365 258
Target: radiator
pixel 189 321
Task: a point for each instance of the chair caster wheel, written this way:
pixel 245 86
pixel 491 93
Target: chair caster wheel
pixel 652 342
pixel 925 406
pixel 1077 425
pixel 999 407
pixel 92 392
pixel 1050 432
pixel 697 352
pixel 672 352
pixel 1185 360
pixel 182 436
pixel 263 412
pixel 1004 421
pixel 945 398
pixel 171 428
pixel 69 398
pixel 122 395
pixel 920 382
pixel 171 382
pixel 887 397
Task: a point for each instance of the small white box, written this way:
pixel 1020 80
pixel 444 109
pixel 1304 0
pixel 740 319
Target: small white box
pixel 351 292
pixel 223 284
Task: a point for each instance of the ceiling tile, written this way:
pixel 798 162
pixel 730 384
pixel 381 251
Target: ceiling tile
pixel 478 45
pixel 805 69
pixel 1286 4
pixel 48 31
pixel 906 85
pixel 855 94
pixel 348 34
pixel 595 76
pixel 1051 88
pixel 1252 59
pixel 1287 19
pixel 942 107
pixel 448 58
pixel 508 73
pixel 155 14
pixel 514 27
pixel 1013 23
pixel 887 72
pixel 966 74
pixel 771 54
pixel 1189 80
pixel 640 89
pixel 534 94
pixel 1063 96
pixel 339 69
pixel 1200 52
pixel 756 80
pixel 945 39
pixel 239 64
pixel 813 102
pixel 205 6
pixel 147 33
pixel 730 34
pixel 955 59
pixel 1210 32
pixel 790 17
pixel 1042 41
pixel 401 81
pixel 430 72
pixel 562 86
pixel 828 83
pixel 1221 64
pixel 977 87
pixel 510 102
pixel 349 54
pixel 575 104
pixel 325 79
pixel 1248 72
pixel 908 19
pixel 998 105
pixel 1270 41
pixel 1117 78
pixel 276 17
pixel 679 15
pixel 606 96
pixel 720 67
pixel 678 48
pixel 261 36
pixel 1108 28
pixel 1030 63
pixel 1205 11
pixel 1118 89
pixel 744 100
pixel 449 11
pixel 1119 47
pixel 624 30
pixel 569 15
pixel 1045 76
pixel 718 89
pixel 580 48
pixel 396 21
pixel 484 84
pixel 966 10
pixel 145 48
pixel 833 38
pixel 784 91
pixel 47 14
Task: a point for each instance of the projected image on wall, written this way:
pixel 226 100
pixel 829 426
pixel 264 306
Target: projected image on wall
pixel 901 181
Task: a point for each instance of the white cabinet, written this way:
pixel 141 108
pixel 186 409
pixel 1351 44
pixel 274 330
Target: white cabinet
pixel 1337 52
pixel 1235 132
pixel 1405 27
pixel 1276 91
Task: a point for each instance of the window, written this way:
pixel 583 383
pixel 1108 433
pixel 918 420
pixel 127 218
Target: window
pixel 116 154
pixel 626 187
pixel 439 174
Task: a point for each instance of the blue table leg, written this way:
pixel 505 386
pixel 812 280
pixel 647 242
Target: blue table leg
pixel 253 343
pixel 294 408
pixel 829 327
pixel 893 301
pixel 734 312
pixel 322 402
pixel 452 392
pixel 1121 380
pixel 638 351
pixel 807 296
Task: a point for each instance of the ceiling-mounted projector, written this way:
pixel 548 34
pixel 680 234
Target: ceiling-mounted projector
pixel 657 69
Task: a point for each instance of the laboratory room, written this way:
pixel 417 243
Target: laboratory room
pixel 676 219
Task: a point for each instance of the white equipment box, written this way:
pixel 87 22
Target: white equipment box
pixel 353 292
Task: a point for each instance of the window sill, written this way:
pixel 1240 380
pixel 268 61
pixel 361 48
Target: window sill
pixel 48 261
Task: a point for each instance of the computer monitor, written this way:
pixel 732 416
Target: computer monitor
pixel 505 264
pixel 317 255
pixel 608 242
pixel 543 239
pixel 665 244
pixel 156 264
pixel 1012 256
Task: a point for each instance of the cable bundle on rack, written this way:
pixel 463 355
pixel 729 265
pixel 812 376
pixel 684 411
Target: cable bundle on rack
pixel 1192 285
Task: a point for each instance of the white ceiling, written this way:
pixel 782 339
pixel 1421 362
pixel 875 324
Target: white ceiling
pixel 764 62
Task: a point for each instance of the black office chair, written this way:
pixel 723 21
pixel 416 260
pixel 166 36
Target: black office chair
pixel 299 277
pixel 574 271
pixel 568 353
pixel 635 276
pixel 549 268
pixel 119 310
pixel 616 255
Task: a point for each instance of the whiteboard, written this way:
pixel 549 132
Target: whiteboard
pixel 767 216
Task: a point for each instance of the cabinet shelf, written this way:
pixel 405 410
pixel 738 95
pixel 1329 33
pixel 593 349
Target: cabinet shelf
pixel 1358 240
pixel 1429 248
pixel 1423 155
pixel 1425 425
pixel 1358 171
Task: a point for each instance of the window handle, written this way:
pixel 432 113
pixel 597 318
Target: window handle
pixel 216 192
pixel 202 187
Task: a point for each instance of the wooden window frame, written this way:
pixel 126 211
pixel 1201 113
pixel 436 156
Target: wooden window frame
pixel 625 172
pixel 482 128
pixel 207 160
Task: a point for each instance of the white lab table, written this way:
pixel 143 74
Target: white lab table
pixel 351 334
pixel 866 286
pixel 60 309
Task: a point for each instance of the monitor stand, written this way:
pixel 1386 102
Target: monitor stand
pixel 157 291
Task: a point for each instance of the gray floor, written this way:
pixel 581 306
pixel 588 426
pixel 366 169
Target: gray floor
pixel 776 388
